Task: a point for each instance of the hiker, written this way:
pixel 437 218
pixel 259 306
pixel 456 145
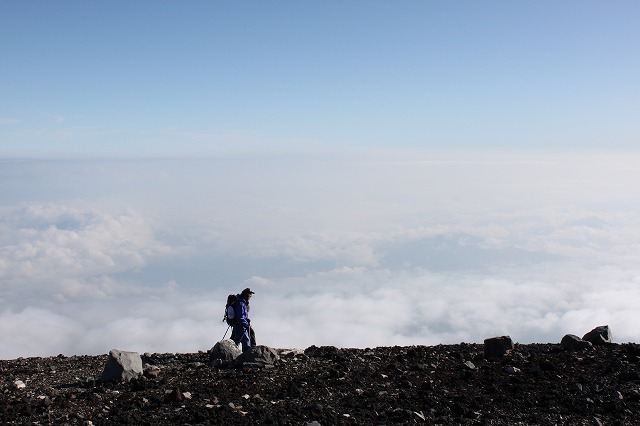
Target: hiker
pixel 242 332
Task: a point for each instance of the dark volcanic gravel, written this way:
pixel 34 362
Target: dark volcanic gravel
pixel 445 384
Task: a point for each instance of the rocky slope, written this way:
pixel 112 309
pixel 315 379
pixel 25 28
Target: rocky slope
pixel 445 384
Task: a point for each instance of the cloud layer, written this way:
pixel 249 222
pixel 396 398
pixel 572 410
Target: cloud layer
pixel 340 250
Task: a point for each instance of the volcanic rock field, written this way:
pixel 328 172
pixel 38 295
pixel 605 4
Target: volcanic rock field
pixel 433 385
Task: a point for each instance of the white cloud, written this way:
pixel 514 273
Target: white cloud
pixel 36 332
pixel 350 307
pixel 65 252
pixel 140 255
pixel 380 308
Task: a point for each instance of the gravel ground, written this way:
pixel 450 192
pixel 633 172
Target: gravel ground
pixel 444 384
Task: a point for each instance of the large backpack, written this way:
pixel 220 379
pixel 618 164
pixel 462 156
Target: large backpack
pixel 229 310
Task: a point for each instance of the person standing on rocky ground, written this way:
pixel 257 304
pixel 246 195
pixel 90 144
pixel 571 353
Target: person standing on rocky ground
pixel 242 330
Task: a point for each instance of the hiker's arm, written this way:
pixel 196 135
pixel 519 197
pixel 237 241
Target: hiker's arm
pixel 244 319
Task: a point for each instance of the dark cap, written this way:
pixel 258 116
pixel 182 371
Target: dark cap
pixel 247 291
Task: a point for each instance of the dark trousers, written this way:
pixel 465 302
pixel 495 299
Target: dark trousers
pixel 252 336
pixel 246 337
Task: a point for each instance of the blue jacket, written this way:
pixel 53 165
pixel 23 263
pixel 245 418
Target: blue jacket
pixel 242 311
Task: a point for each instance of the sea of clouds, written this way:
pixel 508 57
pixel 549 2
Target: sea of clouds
pixel 348 250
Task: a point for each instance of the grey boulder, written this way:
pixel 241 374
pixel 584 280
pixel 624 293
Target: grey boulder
pixel 258 356
pixel 122 366
pixel 225 350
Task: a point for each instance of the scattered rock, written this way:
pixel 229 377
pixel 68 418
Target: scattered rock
pixel 576 387
pixel 574 343
pixel 258 356
pixel 224 353
pixel 496 347
pixel 329 352
pixel 373 386
pixel 599 335
pixel 512 370
pixel 469 365
pixel 122 366
pixel 176 395
pixel 19 384
pixel 290 353
pixel 152 371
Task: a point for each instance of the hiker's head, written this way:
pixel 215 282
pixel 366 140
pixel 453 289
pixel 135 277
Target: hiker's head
pixel 246 293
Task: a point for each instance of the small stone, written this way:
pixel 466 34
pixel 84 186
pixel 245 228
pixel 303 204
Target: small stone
pixel 616 396
pixel 497 346
pixel 576 387
pixel 19 384
pixel 469 365
pixel 152 372
pixel 45 400
pixel 176 395
pixel 512 370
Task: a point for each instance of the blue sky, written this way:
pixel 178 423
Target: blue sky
pixel 149 78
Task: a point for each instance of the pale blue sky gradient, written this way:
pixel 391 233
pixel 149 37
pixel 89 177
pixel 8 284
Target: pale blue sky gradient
pixel 158 78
